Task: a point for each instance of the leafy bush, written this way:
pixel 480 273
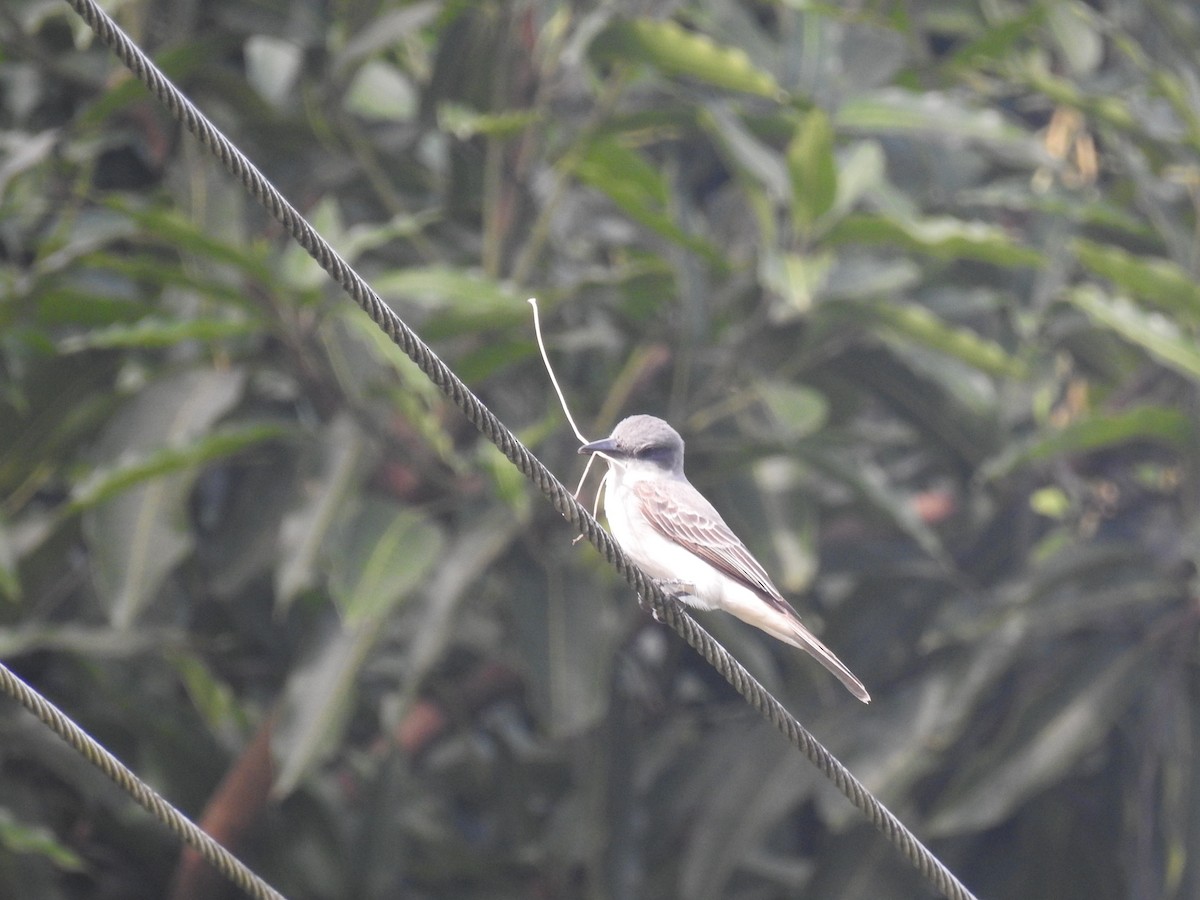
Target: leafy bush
pixel 916 284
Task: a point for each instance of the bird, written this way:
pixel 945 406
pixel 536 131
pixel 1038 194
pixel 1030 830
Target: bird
pixel 676 536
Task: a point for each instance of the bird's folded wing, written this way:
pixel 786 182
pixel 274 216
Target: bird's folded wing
pixel 681 514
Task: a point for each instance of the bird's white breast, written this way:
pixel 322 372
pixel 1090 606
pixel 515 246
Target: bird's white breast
pixel 656 555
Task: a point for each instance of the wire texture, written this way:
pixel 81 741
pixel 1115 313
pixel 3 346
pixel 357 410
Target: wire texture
pixel 183 828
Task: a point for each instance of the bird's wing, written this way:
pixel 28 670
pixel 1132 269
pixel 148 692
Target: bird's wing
pixel 680 513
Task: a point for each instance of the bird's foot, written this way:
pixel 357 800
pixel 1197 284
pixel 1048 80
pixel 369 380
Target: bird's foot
pixel 647 606
pixel 677 588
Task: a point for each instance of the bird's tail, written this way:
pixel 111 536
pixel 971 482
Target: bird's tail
pixel 799 636
pixel 790 630
pixel 775 616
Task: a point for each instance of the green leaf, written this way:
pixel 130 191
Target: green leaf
pixel 378 558
pixel 870 483
pixel 156 269
pixel 674 51
pixel 213 697
pixel 812 168
pixel 1070 723
pixel 24 152
pixel 473 551
pixel 1155 424
pixel 464 122
pixel 339 459
pixel 940 115
pixel 171 228
pixel 10 583
pixel 490 359
pixel 16 838
pixel 867 277
pixel 863 170
pixel 363 237
pixel 796 411
pixel 298 268
pixel 614 168
pixel 388 29
pixel 919 324
pixel 638 189
pixel 417 399
pixel 746 152
pixel 153 332
pixel 1051 502
pixel 748 787
pixel 1159 282
pixel 1078 36
pixel 1107 107
pixel 457 300
pixel 941 237
pixel 999 39
pixel 798 279
pixel 317 702
pixel 92 230
pixel 68 306
pixel 507 481
pixel 178 63
pixel 137 533
pixel 1153 332
pixel 108 481
pixel 382 92
pixel 272 65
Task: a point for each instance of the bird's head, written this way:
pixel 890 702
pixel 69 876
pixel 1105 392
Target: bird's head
pixel 642 440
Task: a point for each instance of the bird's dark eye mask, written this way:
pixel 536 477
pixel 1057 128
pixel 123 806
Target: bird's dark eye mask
pixel 653 454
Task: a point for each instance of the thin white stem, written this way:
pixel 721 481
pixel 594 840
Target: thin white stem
pixel 583 477
pixel 537 328
pixel 600 488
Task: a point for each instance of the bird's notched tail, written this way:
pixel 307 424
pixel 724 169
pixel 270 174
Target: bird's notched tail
pixel 804 639
pixel 676 536
pixel 769 612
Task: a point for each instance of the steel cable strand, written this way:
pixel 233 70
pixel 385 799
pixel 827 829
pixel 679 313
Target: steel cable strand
pixel 221 859
pixel 490 426
pixel 800 737
pixel 379 312
pixel 666 609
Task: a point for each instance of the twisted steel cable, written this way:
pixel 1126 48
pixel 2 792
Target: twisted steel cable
pixel 183 828
pixel 649 592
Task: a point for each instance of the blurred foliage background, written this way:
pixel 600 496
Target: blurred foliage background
pixel 915 281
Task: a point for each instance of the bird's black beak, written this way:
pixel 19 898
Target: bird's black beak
pixel 605 445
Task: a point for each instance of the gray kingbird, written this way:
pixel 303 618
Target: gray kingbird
pixel 676 536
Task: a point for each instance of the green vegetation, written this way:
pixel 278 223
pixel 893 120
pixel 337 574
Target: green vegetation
pixel 917 283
